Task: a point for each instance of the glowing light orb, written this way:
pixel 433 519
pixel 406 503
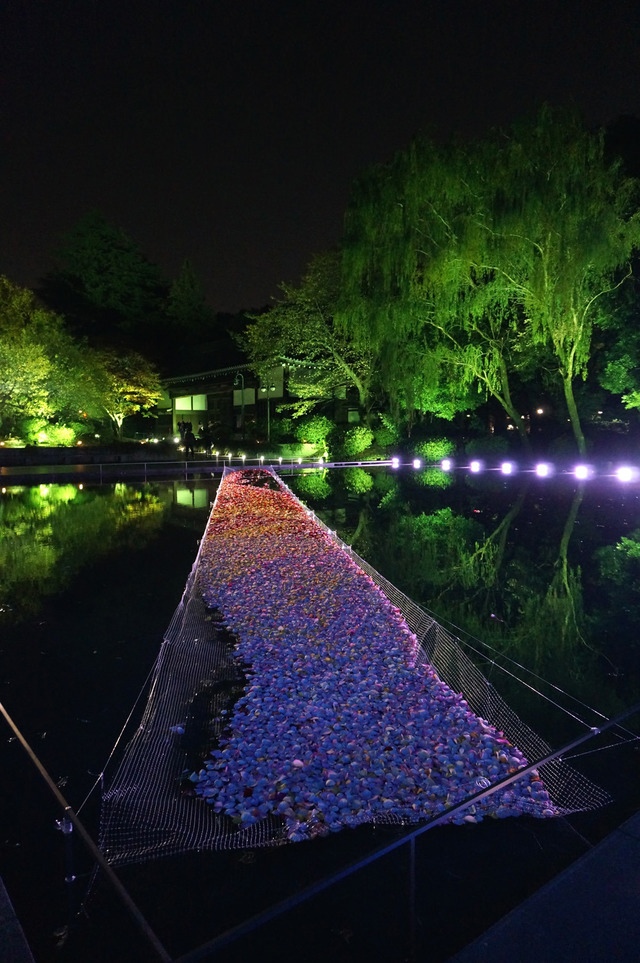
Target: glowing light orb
pixel 475 466
pixel 446 464
pixel 395 462
pixel 506 468
pixel 582 471
pixel 543 470
pixel 626 474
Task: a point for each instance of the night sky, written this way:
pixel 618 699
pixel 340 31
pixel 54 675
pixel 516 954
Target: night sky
pixel 229 132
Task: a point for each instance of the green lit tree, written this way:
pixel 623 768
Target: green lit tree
pixel 411 292
pixel 123 385
pixel 24 364
pixel 558 235
pixel 24 374
pixel 619 367
pixel 39 361
pixel 497 257
pixel 300 329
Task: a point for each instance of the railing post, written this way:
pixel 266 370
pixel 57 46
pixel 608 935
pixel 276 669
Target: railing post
pixel 412 900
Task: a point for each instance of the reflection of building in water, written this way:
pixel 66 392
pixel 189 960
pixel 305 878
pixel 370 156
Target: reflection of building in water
pixel 193 494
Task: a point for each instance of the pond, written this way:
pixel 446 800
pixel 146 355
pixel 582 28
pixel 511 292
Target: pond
pixel 537 576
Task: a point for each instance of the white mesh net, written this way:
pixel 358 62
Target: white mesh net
pixel 149 808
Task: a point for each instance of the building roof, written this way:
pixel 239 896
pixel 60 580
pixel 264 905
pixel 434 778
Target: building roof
pixel 203 375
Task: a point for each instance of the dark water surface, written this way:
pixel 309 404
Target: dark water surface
pixel 544 571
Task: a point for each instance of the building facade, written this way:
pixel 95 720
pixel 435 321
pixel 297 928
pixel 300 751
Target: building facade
pixel 228 402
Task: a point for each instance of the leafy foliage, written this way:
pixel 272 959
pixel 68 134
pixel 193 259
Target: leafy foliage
pixel 300 330
pixel 314 486
pixel 435 449
pixel 186 304
pixel 358 481
pixel 123 385
pixel 385 433
pixel 107 289
pixel 314 429
pixel 434 478
pixel 106 267
pixel 468 265
pixel 41 367
pixel 357 440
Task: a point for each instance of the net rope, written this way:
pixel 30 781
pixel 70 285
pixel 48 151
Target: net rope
pixel 146 812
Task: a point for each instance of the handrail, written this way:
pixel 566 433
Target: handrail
pixel 72 817
pixel 301 896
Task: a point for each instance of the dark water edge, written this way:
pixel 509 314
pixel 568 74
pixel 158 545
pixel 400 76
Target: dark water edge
pixel 73 674
pixel 69 679
pixel 465 877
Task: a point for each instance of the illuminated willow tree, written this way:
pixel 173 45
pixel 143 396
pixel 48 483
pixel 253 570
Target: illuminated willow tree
pixel 558 236
pixel 494 257
pixel 410 292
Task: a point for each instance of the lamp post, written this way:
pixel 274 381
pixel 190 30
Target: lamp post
pixel 240 381
pixel 268 391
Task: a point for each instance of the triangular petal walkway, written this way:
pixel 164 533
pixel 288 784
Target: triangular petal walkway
pixel 341 723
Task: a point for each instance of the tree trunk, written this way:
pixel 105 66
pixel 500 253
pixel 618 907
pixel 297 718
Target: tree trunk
pixel 574 417
pixel 509 407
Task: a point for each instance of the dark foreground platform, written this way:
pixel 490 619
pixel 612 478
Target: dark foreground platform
pixel 13 945
pixel 590 912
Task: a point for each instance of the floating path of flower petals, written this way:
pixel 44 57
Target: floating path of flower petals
pixel 338 725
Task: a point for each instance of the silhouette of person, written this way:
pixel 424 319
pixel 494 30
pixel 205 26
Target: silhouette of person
pixel 189 443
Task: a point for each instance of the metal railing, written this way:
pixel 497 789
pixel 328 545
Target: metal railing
pixel 105 471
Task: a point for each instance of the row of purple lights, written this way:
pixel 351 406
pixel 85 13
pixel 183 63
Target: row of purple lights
pixel 624 473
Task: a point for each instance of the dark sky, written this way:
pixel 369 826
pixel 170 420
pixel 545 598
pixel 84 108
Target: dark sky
pixel 230 132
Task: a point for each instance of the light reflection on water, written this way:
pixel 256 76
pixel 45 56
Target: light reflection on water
pixel 544 570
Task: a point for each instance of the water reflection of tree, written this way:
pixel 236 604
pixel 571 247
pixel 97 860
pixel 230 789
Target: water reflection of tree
pixel 480 572
pixel 552 621
pixel 49 532
pixel 616 617
pixel 505 573
pixel 354 488
pixel 505 577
